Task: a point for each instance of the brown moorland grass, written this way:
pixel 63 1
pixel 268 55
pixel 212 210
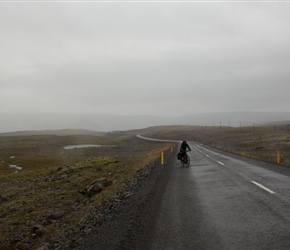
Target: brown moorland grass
pixel 47 190
pixel 52 177
pixel 262 142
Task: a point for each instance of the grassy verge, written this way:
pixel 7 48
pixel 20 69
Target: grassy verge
pixel 261 142
pixel 48 190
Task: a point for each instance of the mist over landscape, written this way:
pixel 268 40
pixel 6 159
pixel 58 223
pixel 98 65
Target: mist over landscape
pixel 107 66
pixel 81 80
pixel 107 122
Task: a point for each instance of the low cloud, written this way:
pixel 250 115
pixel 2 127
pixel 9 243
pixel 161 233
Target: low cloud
pixel 144 58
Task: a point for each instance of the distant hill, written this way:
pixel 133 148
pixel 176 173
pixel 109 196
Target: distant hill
pixel 278 123
pixel 107 122
pixel 93 122
pixel 60 132
pixel 235 119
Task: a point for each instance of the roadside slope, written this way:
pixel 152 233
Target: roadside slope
pixel 128 219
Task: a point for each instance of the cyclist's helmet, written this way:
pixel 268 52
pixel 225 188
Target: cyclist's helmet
pixel 184 142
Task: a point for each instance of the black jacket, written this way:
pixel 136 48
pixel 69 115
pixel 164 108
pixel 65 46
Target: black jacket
pixel 184 146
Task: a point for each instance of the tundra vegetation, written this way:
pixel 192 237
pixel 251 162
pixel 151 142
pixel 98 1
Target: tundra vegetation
pixel 54 189
pixel 47 191
pixel 261 142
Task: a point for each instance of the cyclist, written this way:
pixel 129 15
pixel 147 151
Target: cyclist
pixel 183 148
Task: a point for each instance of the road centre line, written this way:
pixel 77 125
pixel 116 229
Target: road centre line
pixel 213 159
pixel 261 186
pixel 245 176
pixel 254 182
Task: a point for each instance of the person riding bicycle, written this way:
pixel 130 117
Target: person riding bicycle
pixel 183 148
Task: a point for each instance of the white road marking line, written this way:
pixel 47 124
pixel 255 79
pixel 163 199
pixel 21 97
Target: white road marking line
pixel 244 176
pixel 261 186
pixel 256 183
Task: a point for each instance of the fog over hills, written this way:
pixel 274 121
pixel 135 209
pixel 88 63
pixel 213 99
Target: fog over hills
pixel 235 119
pixel 107 122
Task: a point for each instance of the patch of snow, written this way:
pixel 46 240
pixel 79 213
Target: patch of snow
pixel 15 166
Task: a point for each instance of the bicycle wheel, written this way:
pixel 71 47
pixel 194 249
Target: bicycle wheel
pixel 187 163
pixel 182 162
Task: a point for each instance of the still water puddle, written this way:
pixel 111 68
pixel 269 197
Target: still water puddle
pixel 86 146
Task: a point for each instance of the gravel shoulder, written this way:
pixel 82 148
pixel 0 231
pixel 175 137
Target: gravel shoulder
pixel 128 216
pixel 77 199
pixel 121 221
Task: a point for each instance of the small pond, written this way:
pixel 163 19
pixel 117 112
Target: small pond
pixel 87 146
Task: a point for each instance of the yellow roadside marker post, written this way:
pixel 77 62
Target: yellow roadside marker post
pixel 162 158
pixel 229 149
pixel 278 157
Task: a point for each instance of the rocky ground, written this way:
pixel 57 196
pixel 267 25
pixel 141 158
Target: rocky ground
pixel 102 198
pixel 59 206
pixel 117 222
pixel 128 215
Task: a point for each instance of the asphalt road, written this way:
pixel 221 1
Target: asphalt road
pixel 222 201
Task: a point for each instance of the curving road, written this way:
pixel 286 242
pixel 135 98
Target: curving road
pixel 222 201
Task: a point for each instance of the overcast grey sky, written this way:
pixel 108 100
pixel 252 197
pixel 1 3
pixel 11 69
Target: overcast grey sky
pixel 148 58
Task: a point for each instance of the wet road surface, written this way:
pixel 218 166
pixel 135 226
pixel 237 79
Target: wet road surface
pixel 222 201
